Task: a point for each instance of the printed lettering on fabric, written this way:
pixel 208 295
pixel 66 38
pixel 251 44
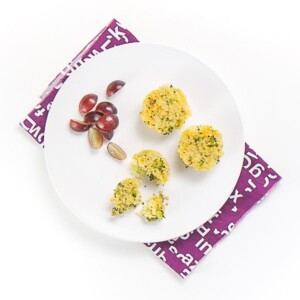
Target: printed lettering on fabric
pixel 183 253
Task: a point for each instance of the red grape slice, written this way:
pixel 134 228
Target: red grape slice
pixel 92 117
pixel 108 122
pixel 106 107
pixel 87 103
pixel 79 126
pixel 108 134
pixel 114 87
pixel 116 151
pixel 95 138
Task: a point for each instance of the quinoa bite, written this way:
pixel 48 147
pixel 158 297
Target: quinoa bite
pixel 201 147
pixel 165 109
pixel 126 196
pixel 154 208
pixel 152 164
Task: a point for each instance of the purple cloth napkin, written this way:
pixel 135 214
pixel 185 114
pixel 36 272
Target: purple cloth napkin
pixel 182 254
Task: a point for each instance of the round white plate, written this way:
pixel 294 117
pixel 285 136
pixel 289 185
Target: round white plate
pixel 85 179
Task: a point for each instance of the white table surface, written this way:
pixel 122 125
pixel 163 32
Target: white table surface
pixel 45 253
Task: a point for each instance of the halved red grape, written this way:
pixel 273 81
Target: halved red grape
pixel 95 138
pixel 79 126
pixel 114 87
pixel 92 117
pixel 108 134
pixel 116 151
pixel 108 122
pixel 87 103
pixel 106 107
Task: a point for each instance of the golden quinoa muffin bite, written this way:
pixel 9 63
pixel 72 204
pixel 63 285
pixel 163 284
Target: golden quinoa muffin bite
pixel 152 164
pixel 126 196
pixel 165 109
pixel 201 147
pixel 154 209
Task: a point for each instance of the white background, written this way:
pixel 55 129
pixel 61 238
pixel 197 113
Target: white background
pixel 45 253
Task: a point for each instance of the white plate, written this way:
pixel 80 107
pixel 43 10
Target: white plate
pixel 85 178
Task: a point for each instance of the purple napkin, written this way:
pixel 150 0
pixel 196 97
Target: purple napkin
pixel 181 254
